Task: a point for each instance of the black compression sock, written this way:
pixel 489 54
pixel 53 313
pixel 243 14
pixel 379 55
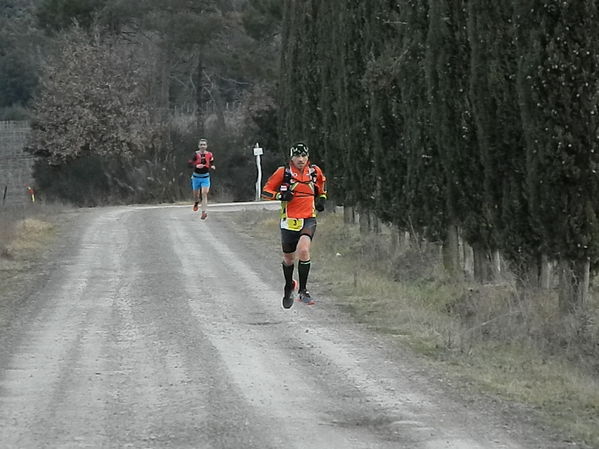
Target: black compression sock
pixel 288 273
pixel 303 268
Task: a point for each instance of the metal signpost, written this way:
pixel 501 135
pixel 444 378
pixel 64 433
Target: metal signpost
pixel 258 152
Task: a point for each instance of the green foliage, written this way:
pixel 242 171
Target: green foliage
pixel 453 113
pixel 14 113
pixel 411 191
pixel 83 182
pixel 328 131
pixel 357 50
pixel 295 66
pixel 428 113
pixel 447 62
pixel 17 78
pixel 261 126
pixel 425 187
pixel 386 121
pixel 558 44
pixel 19 46
pixel 493 94
pixel 262 18
pixel 112 97
pixel 56 15
pixel 321 82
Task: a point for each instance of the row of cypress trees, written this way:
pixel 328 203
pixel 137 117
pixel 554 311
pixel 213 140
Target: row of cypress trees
pixel 447 117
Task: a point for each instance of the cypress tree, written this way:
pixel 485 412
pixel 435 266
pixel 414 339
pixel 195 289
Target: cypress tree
pixel 294 63
pixel 447 65
pixel 301 62
pixel 308 68
pixel 385 123
pixel 328 51
pixel 558 63
pixel 499 132
pixel 288 98
pixel 425 188
pixel 310 85
pixel 353 107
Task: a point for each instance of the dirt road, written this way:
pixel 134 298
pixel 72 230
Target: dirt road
pixel 153 329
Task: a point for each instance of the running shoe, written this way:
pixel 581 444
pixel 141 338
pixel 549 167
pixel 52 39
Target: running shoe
pixel 204 215
pixel 195 207
pixel 288 294
pixel 304 296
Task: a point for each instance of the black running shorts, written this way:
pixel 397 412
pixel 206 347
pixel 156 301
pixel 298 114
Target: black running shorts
pixel 290 238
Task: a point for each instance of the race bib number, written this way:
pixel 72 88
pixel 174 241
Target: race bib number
pixel 292 224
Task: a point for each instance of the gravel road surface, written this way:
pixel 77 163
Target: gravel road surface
pixel 150 328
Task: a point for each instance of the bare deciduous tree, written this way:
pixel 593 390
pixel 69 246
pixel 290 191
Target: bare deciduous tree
pixel 92 100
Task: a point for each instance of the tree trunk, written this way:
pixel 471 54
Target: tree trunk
pixel 199 95
pixel 219 104
pixel 349 215
pixel 375 222
pixel 480 264
pixel 407 240
pixel 396 241
pixel 531 274
pixel 165 85
pixel 468 258
pixel 496 265
pixel 451 257
pixel 546 273
pixel 574 285
pixel 364 220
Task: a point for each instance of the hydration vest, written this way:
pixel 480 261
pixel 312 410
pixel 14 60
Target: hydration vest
pixel 205 159
pixel 288 178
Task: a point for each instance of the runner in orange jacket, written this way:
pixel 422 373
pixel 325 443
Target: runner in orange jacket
pixel 301 188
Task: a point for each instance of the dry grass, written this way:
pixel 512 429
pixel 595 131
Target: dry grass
pixel 30 234
pixel 24 228
pixel 490 337
pixel 24 233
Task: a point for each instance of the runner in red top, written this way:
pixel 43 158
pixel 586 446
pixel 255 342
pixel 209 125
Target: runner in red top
pixel 300 187
pixel 201 162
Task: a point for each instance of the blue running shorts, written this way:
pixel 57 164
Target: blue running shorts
pixel 199 181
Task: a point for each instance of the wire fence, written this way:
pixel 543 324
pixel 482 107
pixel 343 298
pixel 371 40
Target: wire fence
pixel 16 181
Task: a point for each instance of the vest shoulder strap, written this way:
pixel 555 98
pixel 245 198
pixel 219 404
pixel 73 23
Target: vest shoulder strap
pixel 287 176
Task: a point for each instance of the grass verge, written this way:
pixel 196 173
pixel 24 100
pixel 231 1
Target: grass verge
pixel 487 338
pixel 24 235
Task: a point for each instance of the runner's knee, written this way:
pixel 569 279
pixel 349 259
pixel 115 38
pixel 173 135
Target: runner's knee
pixel 289 258
pixel 303 247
